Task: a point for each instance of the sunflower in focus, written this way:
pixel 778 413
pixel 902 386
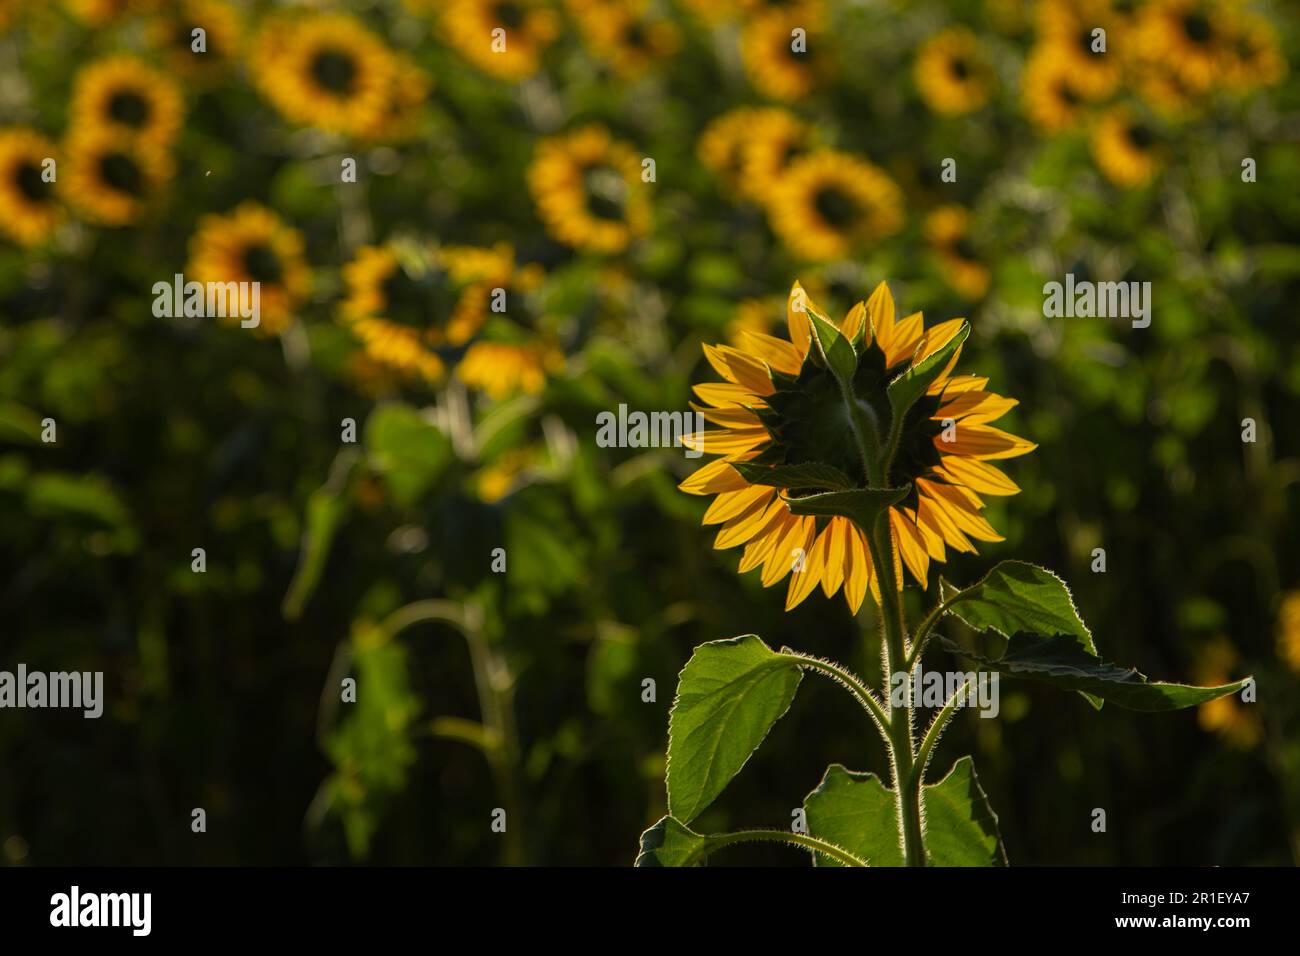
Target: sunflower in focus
pixel 1053 99
pixel 829 203
pixel 252 244
pixel 1230 717
pixel 29 209
pixel 127 96
pixel 774 65
pixel 397 301
pixel 781 406
pixel 588 190
pixel 1126 148
pixel 112 177
pixel 530 26
pixel 624 34
pixel 327 71
pixel 947 230
pixel 172 33
pixel 952 74
pixel 1288 630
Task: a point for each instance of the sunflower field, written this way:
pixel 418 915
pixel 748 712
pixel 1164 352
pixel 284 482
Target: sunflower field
pixel 411 408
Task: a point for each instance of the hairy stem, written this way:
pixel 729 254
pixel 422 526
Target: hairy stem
pixel 902 756
pixel 859 690
pixel 936 729
pixel 718 840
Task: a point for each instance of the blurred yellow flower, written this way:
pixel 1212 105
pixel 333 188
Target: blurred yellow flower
pixel 502 369
pixel 1236 722
pixel 528 28
pixel 1288 630
pixel 785 53
pixel 829 203
pixel 252 244
pixel 29 207
pixel 952 73
pixel 1053 99
pixel 112 176
pixel 1126 148
pixel 127 96
pixel 588 190
pixel 947 229
pixel 172 33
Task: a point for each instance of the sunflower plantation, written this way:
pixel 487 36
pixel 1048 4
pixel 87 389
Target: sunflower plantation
pixel 454 429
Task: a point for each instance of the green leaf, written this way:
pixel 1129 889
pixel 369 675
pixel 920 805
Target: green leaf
pixel 406 448
pixel 326 509
pixel 811 474
pixel 961 828
pixel 1059 660
pixel 1019 596
pixel 862 506
pixel 19 424
pixel 904 390
pixel 669 843
pixel 729 695
pixel 834 347
pixel 858 812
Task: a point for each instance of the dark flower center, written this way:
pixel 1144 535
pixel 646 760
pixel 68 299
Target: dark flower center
pixel 1140 136
pixel 963 248
pixel 335 71
pixel 129 108
pixel 121 173
pixel 27 177
pixel 835 207
pixel 262 264
pixel 606 192
pixel 1085 40
pixel 1197 28
pixel 415 301
pixel 960 68
pixel 635 35
pixel 510 15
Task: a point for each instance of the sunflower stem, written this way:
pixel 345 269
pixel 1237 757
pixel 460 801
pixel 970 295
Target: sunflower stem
pixel 902 755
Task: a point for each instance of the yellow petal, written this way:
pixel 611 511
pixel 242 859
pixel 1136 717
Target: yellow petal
pixel 746 526
pixel 781 558
pixel 975 407
pixel 768 537
pixel 797 320
pixel 732 416
pixel 777 353
pixel 880 309
pixel 958 383
pixel 958 508
pixel 714 478
pixel 803 582
pixel 857 574
pixel 729 504
pixel 910 545
pixel 854 321
pixel 936 337
pixel 741 369
pixel 902 342
pixel 977 476
pixel 836 555
pixel 983 442
pixel 725 441
pixel 933 514
pixel 722 394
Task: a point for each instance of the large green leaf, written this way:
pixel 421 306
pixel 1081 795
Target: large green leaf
pixel 913 383
pixel 729 695
pixel 862 506
pixel 1019 596
pixel 858 812
pixel 811 474
pixel 1059 660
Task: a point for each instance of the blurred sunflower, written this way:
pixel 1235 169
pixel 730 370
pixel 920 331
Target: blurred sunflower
pixel 29 208
pixel 498 479
pixel 1194 37
pixel 502 369
pixel 1253 59
pixel 1052 97
pixel 325 70
pixel 516 349
pixel 112 177
pixel 124 94
pixel 721 146
pixel 252 244
pixel 99 13
pixel 530 27
pixel 774 140
pixel 588 190
pixel 408 91
pixel 947 229
pixel 829 203
pixel 1066 29
pixel 952 73
pixel 397 302
pixel 775 65
pixel 1229 717
pixel 1126 148
pixel 1288 630
pixel 778 407
pixel 172 33
pixel 625 34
